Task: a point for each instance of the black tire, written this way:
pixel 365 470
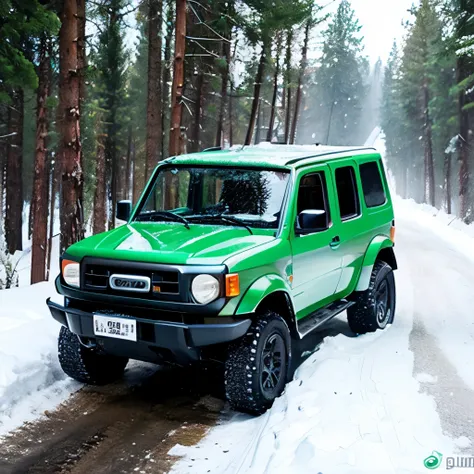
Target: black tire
pixel 375 308
pixel 256 368
pixel 85 365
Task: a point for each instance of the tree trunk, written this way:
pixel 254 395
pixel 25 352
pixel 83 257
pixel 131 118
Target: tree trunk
pixel 447 182
pixel 464 142
pixel 128 167
pixel 138 175
pixel 194 139
pixel 258 126
pixel 231 100
pixel 222 124
pixel 154 126
pixel 30 214
pixel 275 92
pixel 178 79
pixel 165 118
pixel 14 186
pixel 70 144
pixel 3 162
pixel 39 201
pixel 81 49
pixel 100 205
pixel 256 94
pixel 428 136
pixel 289 40
pixel 54 169
pixel 299 90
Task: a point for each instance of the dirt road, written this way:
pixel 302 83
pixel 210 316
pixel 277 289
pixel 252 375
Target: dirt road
pixel 123 428
pixel 129 426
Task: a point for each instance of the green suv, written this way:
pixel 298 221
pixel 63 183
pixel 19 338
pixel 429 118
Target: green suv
pixel 230 256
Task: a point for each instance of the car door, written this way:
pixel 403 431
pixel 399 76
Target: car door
pixel 350 221
pixel 316 257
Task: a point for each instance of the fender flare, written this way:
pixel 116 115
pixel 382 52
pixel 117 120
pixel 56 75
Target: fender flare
pixel 259 290
pixel 377 244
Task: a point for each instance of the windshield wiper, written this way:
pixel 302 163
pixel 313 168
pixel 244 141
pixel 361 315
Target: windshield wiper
pixel 164 215
pixel 222 217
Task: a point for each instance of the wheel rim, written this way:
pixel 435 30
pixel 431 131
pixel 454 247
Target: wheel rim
pixel 383 306
pixel 272 365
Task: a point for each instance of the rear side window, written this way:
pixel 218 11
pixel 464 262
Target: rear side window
pixel 372 186
pixel 348 197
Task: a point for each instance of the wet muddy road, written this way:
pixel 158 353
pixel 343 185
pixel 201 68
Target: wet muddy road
pixel 129 426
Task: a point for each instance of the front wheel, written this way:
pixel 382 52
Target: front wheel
pixel 86 365
pixel 375 308
pixel 256 368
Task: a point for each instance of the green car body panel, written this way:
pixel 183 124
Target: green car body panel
pixel 311 270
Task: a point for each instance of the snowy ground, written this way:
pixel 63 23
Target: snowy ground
pixel 31 380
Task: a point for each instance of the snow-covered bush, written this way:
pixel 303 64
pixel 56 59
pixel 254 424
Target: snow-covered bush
pixel 8 268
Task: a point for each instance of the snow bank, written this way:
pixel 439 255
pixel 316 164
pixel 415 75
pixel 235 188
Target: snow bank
pixel 31 380
pixel 353 407
pixel 452 230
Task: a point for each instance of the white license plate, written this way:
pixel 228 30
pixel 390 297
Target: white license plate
pixel 118 328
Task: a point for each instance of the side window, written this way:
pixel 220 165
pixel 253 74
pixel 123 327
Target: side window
pixel 349 205
pixel 372 186
pixel 312 198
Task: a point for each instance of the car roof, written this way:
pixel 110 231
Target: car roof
pixel 268 155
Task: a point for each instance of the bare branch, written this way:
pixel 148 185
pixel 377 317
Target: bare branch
pixel 187 107
pixel 210 11
pixel 190 55
pixel 9 135
pixel 205 39
pixel 205 49
pixel 188 99
pixel 200 22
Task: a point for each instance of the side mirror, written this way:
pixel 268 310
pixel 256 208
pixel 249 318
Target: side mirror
pixel 124 210
pixel 311 221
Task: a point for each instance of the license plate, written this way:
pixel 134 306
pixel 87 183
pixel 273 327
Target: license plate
pixel 118 328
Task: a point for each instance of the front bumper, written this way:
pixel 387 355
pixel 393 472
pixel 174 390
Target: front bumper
pixel 157 341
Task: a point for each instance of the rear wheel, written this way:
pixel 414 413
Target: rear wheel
pixel 256 368
pixel 86 365
pixel 375 308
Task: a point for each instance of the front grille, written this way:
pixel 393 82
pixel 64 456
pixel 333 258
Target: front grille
pixel 165 283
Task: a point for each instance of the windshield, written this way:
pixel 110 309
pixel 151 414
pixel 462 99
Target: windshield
pixel 251 196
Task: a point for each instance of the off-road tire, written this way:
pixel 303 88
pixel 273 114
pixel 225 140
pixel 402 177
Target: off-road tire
pixel 84 364
pixel 365 315
pixel 244 364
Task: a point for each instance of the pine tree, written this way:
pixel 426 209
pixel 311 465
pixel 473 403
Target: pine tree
pixel 176 145
pixel 461 13
pixel 39 202
pixel 423 44
pixel 340 86
pixel 72 219
pixel 111 64
pixel 138 100
pixel 17 78
pixel 418 113
pixel 269 17
pixel 154 125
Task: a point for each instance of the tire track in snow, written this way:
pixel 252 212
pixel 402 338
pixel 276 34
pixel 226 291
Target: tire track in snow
pixel 430 265
pixel 125 427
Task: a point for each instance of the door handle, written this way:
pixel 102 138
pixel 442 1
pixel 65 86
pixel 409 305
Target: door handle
pixel 335 243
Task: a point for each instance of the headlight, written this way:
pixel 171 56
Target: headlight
pixel 71 273
pixel 205 288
